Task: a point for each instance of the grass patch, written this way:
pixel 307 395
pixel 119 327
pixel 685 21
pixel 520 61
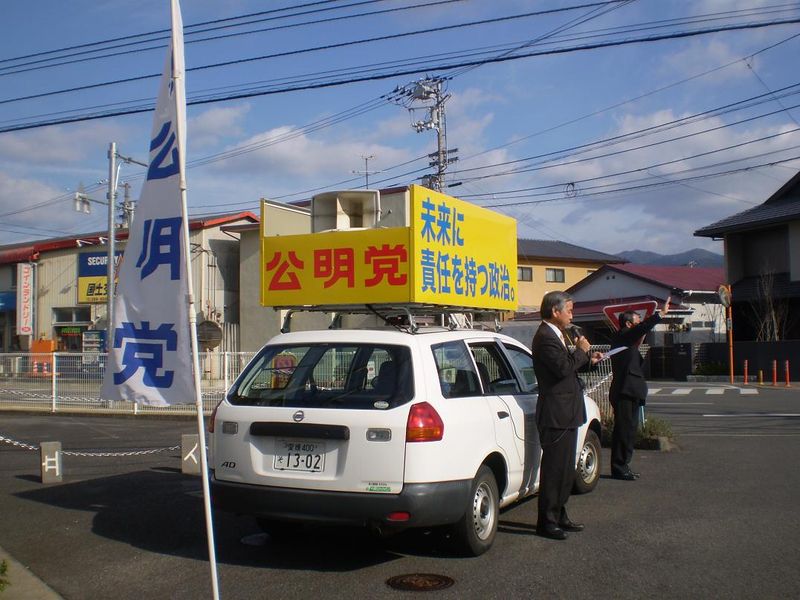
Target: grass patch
pixel 646 436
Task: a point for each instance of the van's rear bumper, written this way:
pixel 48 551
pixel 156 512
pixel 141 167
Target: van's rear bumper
pixel 428 504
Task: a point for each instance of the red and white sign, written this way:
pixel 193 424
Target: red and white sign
pixel 24 299
pixel 645 309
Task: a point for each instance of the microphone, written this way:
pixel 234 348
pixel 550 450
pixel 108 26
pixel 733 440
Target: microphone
pixel 575 332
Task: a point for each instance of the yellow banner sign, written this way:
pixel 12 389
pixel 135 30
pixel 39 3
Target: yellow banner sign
pixel 453 254
pixel 341 267
pixel 464 255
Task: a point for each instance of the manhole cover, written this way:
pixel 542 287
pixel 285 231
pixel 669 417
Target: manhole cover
pixel 420 582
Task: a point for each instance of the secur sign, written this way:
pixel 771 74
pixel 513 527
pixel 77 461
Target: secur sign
pixel 24 299
pixel 453 254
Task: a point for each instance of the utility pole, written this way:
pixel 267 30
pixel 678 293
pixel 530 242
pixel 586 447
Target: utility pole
pixel 83 204
pixel 366 172
pixel 110 271
pixel 431 94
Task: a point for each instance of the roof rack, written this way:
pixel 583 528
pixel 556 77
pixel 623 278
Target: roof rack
pixel 399 315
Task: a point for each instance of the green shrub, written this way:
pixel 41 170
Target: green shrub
pixel 4 582
pixel 646 436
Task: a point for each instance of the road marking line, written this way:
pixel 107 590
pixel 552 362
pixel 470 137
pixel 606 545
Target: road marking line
pixel 756 415
pixel 739 434
pixel 748 391
pixel 681 391
pixel 713 391
pixel 655 390
pixel 677 403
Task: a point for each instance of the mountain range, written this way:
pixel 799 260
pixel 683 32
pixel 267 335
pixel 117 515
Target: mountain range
pixel 696 257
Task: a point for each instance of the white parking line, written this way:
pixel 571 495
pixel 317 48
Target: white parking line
pixel 746 391
pixel 715 391
pixel 655 390
pixel 681 391
pixel 756 415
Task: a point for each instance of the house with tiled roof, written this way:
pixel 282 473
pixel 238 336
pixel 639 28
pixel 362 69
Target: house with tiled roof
pixel 547 265
pixel 696 316
pixel 762 265
pixel 64 287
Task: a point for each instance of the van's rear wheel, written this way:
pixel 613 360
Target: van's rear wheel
pixel 474 533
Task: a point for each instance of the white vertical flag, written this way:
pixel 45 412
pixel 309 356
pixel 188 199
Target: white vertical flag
pixel 149 359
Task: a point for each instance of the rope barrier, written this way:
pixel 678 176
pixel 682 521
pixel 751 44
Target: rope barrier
pixel 25 446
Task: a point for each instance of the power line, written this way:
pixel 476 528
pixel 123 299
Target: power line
pixel 228 63
pixel 404 72
pixel 157 32
pixel 230 35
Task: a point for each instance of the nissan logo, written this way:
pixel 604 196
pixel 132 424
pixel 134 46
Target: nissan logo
pixel 298 416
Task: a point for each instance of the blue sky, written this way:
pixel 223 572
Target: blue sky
pixel 538 138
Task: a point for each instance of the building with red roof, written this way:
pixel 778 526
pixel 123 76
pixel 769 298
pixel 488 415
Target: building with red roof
pixel 67 297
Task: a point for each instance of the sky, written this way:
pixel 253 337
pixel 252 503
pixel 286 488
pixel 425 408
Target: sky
pixel 567 115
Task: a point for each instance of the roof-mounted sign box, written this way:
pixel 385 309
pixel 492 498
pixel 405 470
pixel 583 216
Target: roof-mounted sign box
pixel 453 254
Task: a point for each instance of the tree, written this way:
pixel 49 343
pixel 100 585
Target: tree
pixel 770 312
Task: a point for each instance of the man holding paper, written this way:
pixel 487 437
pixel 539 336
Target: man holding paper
pixel 628 387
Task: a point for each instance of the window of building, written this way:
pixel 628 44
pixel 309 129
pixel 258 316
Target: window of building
pixel 554 275
pixel 74 314
pixel 524 274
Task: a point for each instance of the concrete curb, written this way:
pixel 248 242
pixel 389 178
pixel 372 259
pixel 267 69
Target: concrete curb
pixel 24 585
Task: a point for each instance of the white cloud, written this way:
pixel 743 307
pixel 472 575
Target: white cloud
pixel 216 124
pixel 30 209
pixel 58 144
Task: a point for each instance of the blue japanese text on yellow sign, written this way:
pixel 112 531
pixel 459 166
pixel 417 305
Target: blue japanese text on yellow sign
pixel 453 254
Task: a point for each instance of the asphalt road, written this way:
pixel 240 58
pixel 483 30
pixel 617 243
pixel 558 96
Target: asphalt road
pixel 716 518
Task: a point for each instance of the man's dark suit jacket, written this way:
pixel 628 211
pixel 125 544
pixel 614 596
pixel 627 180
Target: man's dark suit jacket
pixel 560 403
pixel 627 365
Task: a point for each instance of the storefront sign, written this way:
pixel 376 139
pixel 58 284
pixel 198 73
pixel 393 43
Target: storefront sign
pixel 24 299
pixel 453 254
pixel 93 276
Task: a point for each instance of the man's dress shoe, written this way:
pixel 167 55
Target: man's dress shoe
pixel 552 532
pixel 568 525
pixel 629 476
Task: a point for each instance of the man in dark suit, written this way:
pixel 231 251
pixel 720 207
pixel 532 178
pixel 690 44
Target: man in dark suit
pixel 628 388
pixel 559 411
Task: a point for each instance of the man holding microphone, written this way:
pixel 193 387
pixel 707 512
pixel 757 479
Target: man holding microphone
pixel 559 412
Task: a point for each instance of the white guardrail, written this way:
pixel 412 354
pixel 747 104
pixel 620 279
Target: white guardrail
pixel 70 382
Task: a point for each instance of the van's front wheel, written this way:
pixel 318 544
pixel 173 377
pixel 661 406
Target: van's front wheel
pixel 587 473
pixel 474 533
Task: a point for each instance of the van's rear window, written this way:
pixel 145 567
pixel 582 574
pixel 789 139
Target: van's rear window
pixel 360 376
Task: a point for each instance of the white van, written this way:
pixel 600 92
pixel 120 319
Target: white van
pixel 386 429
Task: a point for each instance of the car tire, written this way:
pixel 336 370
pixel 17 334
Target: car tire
pixel 587 472
pixel 279 531
pixel 474 533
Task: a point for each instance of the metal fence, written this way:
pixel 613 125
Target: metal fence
pixel 70 382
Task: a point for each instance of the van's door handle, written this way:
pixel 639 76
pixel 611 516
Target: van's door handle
pixel 502 414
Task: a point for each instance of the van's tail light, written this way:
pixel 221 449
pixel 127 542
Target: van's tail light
pixel 424 424
pixel 213 418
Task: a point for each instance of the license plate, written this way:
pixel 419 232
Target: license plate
pixel 299 455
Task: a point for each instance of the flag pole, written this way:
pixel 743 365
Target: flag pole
pixel 201 431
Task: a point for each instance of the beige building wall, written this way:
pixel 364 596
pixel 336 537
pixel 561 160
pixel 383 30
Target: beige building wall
pixel 531 292
pixel 260 323
pixel 59 316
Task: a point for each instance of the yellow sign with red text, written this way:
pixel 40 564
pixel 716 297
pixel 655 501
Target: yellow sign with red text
pixel 453 254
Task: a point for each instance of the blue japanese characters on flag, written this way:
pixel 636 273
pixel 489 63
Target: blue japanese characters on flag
pixel 149 358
